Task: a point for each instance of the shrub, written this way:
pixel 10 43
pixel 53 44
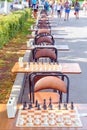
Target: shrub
pixel 11 24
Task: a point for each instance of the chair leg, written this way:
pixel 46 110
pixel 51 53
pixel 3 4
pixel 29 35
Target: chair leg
pixel 60 96
pixel 30 87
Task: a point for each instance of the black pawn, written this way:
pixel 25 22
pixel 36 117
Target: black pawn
pixel 65 106
pixel 30 105
pixel 44 105
pixel 38 106
pixel 72 106
pixel 36 103
pixel 59 106
pixel 50 103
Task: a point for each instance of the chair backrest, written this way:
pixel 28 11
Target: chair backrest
pixel 43 22
pixel 43 11
pixel 44 38
pixel 43 15
pixel 43 25
pixel 46 31
pixel 44 19
pixel 51 80
pixel 45 52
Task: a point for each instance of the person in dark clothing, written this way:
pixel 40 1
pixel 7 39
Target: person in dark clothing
pixel 77 8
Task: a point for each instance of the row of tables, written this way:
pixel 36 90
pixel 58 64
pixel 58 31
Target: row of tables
pixel 67 68
pixel 28 67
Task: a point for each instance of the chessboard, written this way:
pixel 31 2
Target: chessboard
pixel 55 117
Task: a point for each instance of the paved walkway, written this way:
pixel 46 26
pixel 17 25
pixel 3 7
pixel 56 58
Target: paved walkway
pixel 74 33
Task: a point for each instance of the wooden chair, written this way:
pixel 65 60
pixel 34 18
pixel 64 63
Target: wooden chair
pixel 45 52
pixel 49 80
pixel 44 38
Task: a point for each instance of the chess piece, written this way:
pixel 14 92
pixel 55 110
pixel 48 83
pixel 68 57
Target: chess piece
pixel 45 120
pixel 42 62
pixel 60 118
pixel 30 119
pixel 37 121
pixel 36 103
pixel 33 62
pixel 50 103
pixel 65 106
pixel 27 66
pixel 52 121
pixel 38 106
pixel 44 105
pixel 59 106
pixel 38 62
pixel 24 105
pixel 57 63
pixel 72 106
pixel 30 105
pixel 50 62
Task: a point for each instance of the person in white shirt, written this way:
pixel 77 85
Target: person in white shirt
pixel 84 6
pixel 59 8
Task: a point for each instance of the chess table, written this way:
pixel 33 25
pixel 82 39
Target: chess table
pixel 10 124
pixel 58 47
pixel 52 29
pixel 67 68
pixel 54 117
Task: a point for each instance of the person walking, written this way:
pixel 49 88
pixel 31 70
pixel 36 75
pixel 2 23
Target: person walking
pixel 59 8
pixel 77 8
pixel 67 7
pixel 84 6
pixel 35 8
pixel 46 6
pixel 51 4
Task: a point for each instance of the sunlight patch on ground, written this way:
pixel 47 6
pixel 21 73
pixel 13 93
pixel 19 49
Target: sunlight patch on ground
pixel 85 52
pixel 15 52
pixel 78 40
pixel 74 59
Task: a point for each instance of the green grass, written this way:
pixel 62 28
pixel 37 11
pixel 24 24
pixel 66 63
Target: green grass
pixel 8 56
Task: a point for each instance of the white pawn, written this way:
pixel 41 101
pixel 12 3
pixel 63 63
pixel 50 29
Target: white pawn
pixel 30 119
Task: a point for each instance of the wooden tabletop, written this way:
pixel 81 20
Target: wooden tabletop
pixel 54 28
pixel 67 68
pixel 35 29
pixel 10 124
pixel 58 47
